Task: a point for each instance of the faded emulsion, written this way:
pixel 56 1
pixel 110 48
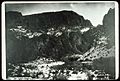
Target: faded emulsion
pixel 61 43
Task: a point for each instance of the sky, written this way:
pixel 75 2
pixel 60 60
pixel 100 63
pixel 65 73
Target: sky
pixel 91 11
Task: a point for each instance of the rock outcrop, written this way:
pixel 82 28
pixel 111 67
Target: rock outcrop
pixel 109 25
pixel 60 35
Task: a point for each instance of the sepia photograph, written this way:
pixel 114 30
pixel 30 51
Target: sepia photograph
pixel 60 40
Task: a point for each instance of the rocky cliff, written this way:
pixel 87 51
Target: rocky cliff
pixel 109 25
pixel 56 20
pixel 54 34
pixel 51 34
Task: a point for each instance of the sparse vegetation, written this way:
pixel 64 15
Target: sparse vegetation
pixel 56 49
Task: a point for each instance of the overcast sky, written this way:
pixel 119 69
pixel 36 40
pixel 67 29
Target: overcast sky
pixel 92 11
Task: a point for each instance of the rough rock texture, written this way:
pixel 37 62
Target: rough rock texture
pixel 107 29
pixel 13 18
pixel 109 25
pixel 61 34
pixel 55 19
pixel 68 23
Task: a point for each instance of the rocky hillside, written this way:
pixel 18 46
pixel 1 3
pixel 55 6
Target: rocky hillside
pixel 107 29
pixel 62 43
pixel 102 40
pixel 109 25
pixel 68 19
pixel 52 34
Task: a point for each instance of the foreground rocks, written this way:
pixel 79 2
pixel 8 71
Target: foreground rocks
pixel 46 69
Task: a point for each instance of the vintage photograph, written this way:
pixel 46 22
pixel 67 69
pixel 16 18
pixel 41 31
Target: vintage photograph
pixel 60 40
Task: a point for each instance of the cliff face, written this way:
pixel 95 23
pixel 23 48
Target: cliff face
pixel 13 18
pixel 109 25
pixel 109 20
pixel 56 20
pixel 59 35
pixel 102 41
pixel 107 29
pixel 54 34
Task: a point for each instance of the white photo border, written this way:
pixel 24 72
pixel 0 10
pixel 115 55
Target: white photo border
pixel 17 2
